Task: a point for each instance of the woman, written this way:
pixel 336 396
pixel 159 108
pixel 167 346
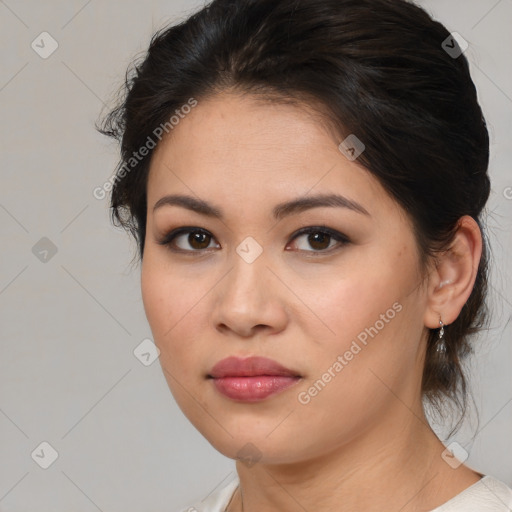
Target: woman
pixel 305 180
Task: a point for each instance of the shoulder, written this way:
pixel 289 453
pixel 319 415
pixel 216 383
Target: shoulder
pixel 487 495
pixel 217 501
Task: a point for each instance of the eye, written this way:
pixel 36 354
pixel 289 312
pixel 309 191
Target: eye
pixel 321 238
pixel 197 239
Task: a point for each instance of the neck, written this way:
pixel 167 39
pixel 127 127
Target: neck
pixel 396 465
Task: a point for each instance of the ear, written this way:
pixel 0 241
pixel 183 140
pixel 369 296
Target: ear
pixel 451 281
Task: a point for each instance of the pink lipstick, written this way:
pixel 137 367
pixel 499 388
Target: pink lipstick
pixel 251 379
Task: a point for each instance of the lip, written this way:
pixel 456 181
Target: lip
pixel 250 367
pixel 251 379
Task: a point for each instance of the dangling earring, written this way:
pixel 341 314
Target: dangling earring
pixel 440 343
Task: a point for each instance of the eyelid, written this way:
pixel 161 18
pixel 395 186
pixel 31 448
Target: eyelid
pixel 169 237
pixel 336 235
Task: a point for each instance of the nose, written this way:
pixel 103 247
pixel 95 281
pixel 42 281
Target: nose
pixel 250 300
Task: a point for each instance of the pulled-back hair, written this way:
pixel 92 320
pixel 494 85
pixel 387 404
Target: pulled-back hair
pixel 378 69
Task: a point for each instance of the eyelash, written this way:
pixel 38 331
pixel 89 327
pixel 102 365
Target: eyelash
pixel 339 237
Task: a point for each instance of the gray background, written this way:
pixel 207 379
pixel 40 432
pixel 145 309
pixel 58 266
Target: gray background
pixel 70 323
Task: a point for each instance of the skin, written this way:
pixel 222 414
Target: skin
pixel 363 441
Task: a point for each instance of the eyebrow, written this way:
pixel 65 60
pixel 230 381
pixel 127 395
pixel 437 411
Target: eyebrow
pixel 279 211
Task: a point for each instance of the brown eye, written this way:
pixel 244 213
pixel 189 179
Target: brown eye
pixel 187 240
pixel 320 239
pixel 199 240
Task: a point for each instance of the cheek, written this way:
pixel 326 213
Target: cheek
pixel 166 294
pixel 165 301
pixel 173 303
pixel 155 299
pixel 169 306
pixel 356 299
pixel 371 311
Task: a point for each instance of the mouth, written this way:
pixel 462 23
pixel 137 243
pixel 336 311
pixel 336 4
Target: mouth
pixel 252 379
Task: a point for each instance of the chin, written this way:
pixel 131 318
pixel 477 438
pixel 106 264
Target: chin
pixel 258 448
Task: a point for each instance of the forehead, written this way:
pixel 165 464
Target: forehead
pixel 237 148
pixel 231 125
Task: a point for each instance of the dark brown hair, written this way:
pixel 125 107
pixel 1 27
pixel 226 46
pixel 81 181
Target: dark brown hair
pixel 380 71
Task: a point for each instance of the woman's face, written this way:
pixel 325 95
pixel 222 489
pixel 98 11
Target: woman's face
pixel 340 308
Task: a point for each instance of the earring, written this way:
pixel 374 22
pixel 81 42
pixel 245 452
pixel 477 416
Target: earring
pixel 441 343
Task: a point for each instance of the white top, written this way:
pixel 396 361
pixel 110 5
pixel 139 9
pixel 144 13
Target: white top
pixel 487 495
